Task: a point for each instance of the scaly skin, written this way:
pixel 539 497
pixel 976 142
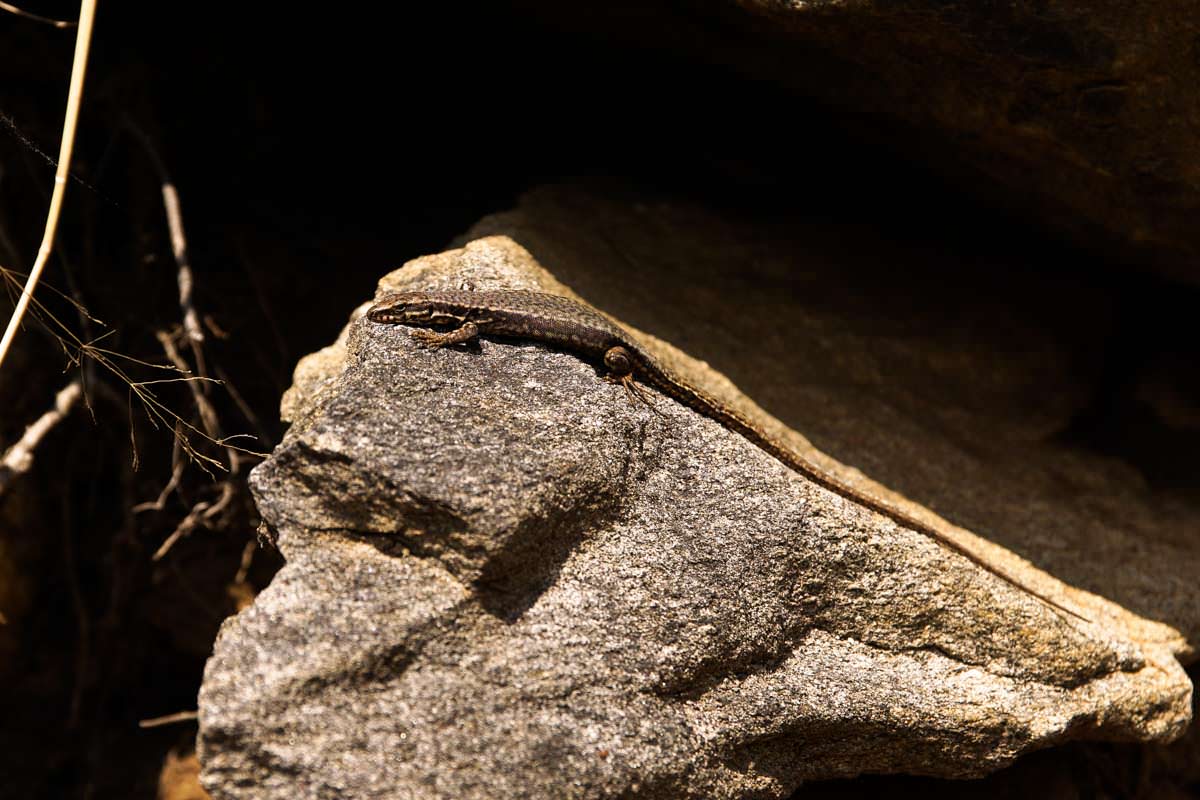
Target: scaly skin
pixel 444 318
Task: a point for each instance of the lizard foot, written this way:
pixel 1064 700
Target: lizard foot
pixel 637 393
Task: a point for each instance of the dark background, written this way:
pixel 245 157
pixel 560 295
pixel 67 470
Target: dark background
pixel 313 152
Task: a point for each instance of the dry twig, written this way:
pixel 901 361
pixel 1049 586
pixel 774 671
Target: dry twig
pixel 193 334
pixel 179 248
pixel 169 719
pixel 20 12
pixel 19 458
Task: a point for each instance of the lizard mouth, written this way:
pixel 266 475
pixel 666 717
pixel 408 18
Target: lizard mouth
pixel 382 315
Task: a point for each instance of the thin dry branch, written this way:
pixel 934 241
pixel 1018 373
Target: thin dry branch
pixel 19 458
pixel 83 38
pixel 169 719
pixel 201 513
pixel 156 411
pixel 208 415
pixel 20 12
pixel 247 559
pixel 177 467
pixel 191 321
pixel 179 246
pixel 193 334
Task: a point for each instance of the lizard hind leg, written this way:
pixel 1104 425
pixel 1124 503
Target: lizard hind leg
pixel 637 392
pixel 620 365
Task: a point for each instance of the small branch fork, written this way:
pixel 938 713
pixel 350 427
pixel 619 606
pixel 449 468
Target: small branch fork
pixel 191 333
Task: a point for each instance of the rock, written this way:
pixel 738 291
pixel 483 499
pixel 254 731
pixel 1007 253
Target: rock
pixel 505 579
pixel 1081 116
pixel 957 387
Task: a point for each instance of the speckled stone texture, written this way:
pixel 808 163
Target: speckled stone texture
pixel 504 579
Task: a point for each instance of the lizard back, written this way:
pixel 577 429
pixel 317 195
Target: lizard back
pixel 578 328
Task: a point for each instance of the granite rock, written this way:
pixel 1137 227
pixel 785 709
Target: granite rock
pixel 505 579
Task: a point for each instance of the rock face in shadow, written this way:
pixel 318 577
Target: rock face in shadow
pixel 504 579
pixel 1084 116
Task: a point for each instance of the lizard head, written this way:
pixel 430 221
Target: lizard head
pixel 401 307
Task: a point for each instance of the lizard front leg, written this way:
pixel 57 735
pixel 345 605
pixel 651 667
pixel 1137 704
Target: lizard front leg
pixel 435 339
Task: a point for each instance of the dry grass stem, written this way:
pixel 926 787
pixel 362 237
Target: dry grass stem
pixel 83 40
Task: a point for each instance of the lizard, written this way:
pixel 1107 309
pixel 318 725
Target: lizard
pixel 450 317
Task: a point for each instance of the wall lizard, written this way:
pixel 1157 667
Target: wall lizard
pixel 442 318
